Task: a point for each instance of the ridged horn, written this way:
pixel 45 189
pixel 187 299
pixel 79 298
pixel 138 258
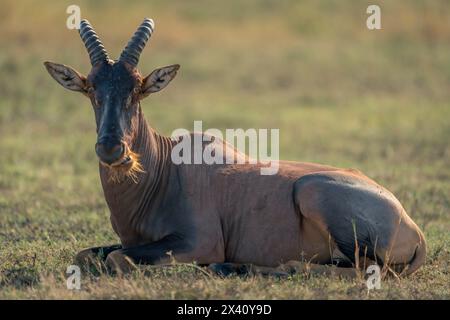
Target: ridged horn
pixel 137 43
pixel 94 46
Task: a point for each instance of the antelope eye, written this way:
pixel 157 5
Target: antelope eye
pixel 98 102
pixel 128 102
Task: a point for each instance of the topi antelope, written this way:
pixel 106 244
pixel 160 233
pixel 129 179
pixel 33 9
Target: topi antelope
pixel 228 216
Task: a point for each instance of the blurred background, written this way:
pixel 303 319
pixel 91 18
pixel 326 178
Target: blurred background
pixel 340 94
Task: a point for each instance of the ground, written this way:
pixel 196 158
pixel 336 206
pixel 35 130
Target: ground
pixel 342 95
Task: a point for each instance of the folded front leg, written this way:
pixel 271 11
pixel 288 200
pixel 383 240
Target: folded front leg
pixel 94 257
pixel 158 252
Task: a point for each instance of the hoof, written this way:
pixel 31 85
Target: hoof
pixel 230 269
pixel 88 260
pixel 120 264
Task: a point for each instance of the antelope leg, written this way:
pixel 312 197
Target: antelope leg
pixel 94 256
pixel 159 252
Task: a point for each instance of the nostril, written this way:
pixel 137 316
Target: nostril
pixel 115 149
pixel 109 153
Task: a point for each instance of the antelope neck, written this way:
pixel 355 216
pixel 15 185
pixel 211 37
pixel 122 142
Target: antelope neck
pixel 130 201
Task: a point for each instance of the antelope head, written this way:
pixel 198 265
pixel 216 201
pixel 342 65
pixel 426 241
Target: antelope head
pixel 115 88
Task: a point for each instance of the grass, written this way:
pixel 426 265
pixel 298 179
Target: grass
pixel 339 93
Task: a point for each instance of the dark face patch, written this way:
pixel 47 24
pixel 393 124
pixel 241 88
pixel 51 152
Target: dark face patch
pixel 114 92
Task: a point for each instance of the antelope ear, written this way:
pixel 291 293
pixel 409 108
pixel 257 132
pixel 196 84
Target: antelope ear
pixel 158 79
pixel 66 76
